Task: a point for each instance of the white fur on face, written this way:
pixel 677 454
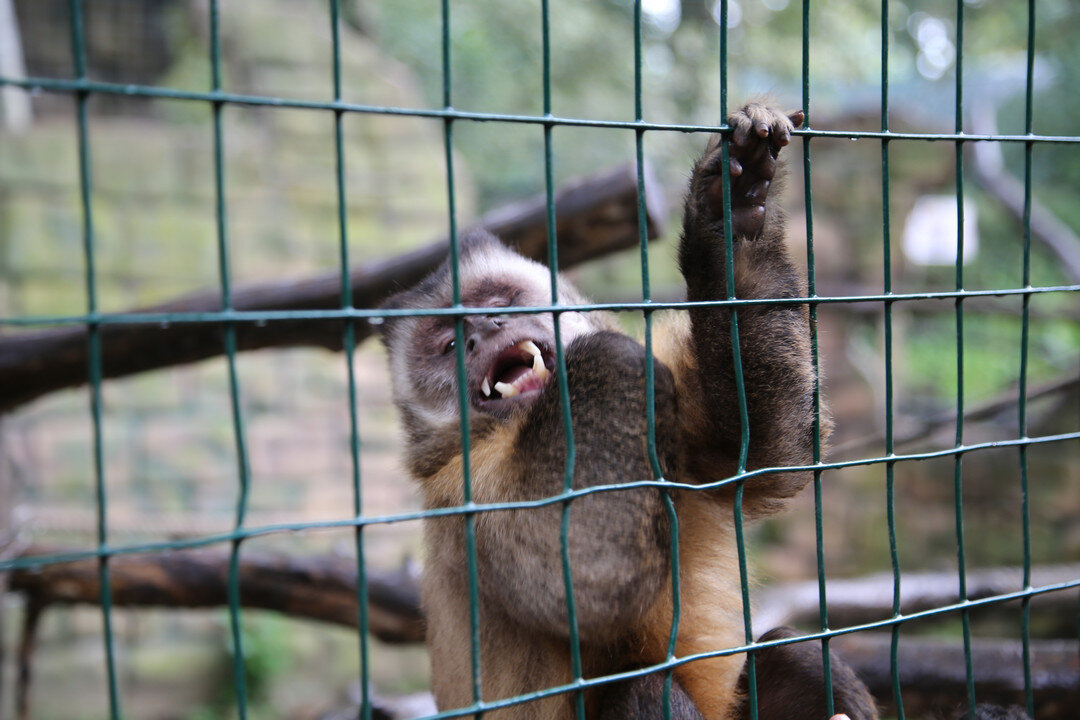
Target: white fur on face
pixel 533 280
pixel 536 279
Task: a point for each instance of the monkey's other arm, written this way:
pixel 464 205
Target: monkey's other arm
pixel 643 699
pixel 774 339
pixel 618 540
pixel 790 682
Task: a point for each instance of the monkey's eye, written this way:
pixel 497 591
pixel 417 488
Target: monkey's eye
pixel 448 347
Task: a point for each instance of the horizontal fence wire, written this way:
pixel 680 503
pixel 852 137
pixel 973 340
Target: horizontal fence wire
pixel 96 323
pixel 30 561
pixel 230 98
pixel 354 313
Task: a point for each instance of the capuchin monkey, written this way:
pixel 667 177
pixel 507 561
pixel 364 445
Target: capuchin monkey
pixel 619 541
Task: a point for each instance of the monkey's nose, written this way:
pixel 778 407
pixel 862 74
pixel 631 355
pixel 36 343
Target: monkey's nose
pixel 479 328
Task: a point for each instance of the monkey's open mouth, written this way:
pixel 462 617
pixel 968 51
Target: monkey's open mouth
pixel 520 369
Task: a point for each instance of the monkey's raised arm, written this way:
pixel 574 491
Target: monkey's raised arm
pixel 773 339
pixel 618 540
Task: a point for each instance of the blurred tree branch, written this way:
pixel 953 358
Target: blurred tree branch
pixel 927 426
pixel 323 588
pixel 990 171
pixel 317 588
pixel 933 677
pixel 869 598
pixel 595 215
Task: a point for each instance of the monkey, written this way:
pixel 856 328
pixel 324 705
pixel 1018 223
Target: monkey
pixel 619 541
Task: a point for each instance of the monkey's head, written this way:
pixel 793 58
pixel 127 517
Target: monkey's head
pixel 509 357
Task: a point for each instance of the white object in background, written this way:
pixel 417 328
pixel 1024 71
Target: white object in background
pixel 931 228
pixel 14 101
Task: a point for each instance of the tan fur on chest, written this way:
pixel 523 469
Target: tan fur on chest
pixel 709 605
pixel 489 459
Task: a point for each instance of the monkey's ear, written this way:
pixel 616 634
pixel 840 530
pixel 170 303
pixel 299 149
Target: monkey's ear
pixel 477 239
pixel 384 326
pixel 395 301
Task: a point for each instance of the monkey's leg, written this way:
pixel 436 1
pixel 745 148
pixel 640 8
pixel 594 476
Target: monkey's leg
pixel 774 339
pixel 643 699
pixel 790 681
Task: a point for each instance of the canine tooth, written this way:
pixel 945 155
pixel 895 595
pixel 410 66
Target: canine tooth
pixel 530 347
pixel 506 389
pixel 485 387
pixel 539 368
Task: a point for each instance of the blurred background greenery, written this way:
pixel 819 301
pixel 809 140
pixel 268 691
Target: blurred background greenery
pixel 170 452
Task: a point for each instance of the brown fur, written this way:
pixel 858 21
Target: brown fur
pixel 618 540
pixel 789 676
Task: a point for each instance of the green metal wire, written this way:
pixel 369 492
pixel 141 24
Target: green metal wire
pixel 262 316
pixel 349 343
pixel 463 400
pixel 811 288
pixel 958 459
pixel 32 561
pixel 650 374
pixel 890 466
pixel 560 365
pixel 736 354
pixel 82 88
pixel 229 329
pixel 1025 607
pixel 94 369
pixel 164 93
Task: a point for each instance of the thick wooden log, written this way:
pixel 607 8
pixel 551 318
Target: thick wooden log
pixel 931 671
pixel 317 588
pixel 869 599
pixel 594 216
pixel 933 676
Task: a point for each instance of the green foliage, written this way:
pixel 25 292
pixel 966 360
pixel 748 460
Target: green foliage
pixel 269 649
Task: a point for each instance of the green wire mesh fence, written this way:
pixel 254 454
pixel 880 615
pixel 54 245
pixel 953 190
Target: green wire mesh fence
pixel 216 99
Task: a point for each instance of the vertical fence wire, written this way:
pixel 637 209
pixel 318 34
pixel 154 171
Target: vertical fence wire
pixel 462 384
pixel 560 363
pixel 650 374
pixel 958 460
pixel 229 330
pixel 1022 429
pixel 740 386
pixel 811 290
pixel 890 463
pixel 94 366
pixel 82 89
pixel 349 343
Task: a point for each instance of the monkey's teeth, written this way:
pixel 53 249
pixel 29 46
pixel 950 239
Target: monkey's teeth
pixel 539 368
pixel 530 347
pixel 538 358
pixel 506 389
pixel 485 387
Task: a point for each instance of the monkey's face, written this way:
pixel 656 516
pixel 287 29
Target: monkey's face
pixel 509 357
